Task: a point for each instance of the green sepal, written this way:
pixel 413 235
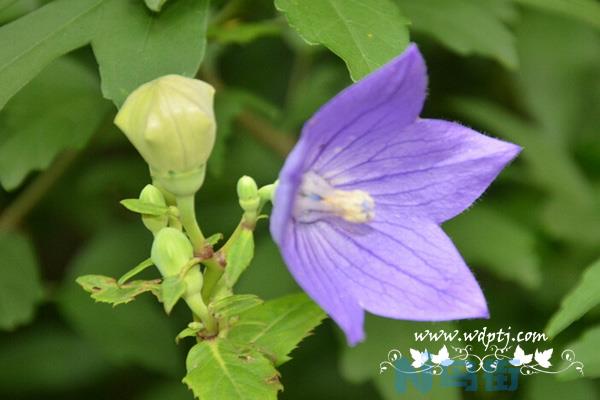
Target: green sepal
pixel 172 289
pixel 106 289
pixel 135 270
pixel 190 331
pixel 277 326
pixel 214 239
pixel 233 305
pixel 238 256
pixel 144 207
pixel 242 371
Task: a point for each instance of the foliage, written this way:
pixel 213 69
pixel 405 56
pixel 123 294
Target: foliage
pixel 522 70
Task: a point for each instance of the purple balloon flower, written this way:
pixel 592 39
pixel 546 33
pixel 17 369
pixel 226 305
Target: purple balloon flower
pixel 361 197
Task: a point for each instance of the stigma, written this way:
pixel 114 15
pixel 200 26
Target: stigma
pixel 318 199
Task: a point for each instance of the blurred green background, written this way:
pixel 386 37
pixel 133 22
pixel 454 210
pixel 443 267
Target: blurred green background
pixel 525 71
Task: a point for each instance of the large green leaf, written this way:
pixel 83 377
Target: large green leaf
pixel 137 45
pixel 489 239
pixel 583 297
pixel 277 326
pixel 459 24
pixel 20 286
pixel 583 10
pixel 67 107
pixel 364 34
pixel 218 369
pixel 30 43
pixel 136 333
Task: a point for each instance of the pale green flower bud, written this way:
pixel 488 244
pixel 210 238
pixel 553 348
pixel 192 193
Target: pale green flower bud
pixel 248 194
pixel 171 251
pixel 171 122
pixel 152 194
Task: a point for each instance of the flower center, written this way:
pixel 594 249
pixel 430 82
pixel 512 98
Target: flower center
pixel 318 199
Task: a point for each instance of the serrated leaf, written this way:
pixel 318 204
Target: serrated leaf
pixel 20 287
pixel 30 43
pixel 123 334
pixel 489 239
pixel 277 326
pixel 459 25
pixel 584 10
pixel 581 299
pixel 234 305
pixel 365 35
pixel 136 45
pixel 68 110
pixel 155 5
pixel 106 289
pixel 239 256
pixel 143 207
pixel 171 290
pixel 242 374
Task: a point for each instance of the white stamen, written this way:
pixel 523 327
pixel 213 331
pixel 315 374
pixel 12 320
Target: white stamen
pixel 318 199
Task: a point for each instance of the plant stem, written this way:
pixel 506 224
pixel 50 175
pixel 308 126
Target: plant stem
pixel 213 273
pixel 27 200
pixel 187 212
pixel 200 310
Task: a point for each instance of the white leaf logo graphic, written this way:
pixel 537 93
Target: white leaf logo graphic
pixel 442 357
pixel 419 358
pixel 543 358
pixel 520 358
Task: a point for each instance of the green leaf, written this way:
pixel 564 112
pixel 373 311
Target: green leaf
pixel 460 24
pixel 138 333
pixel 236 33
pixel 586 351
pixel 143 207
pixel 65 101
pixel 30 43
pixel 171 290
pixel 361 363
pixel 155 5
pixel 239 256
pixel 487 238
pixel 136 45
pixel 242 374
pixel 234 305
pixel 48 359
pixel 583 10
pixel 365 35
pixel 20 287
pixel 277 326
pixel 105 289
pixel 581 299
pixel 214 239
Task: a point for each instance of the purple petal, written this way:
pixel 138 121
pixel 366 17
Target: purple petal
pixel 431 168
pixel 405 268
pixel 392 96
pixel 322 282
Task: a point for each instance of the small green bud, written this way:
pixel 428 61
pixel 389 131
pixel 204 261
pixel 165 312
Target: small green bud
pixel 248 194
pixel 171 251
pixel 154 223
pixel 171 122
